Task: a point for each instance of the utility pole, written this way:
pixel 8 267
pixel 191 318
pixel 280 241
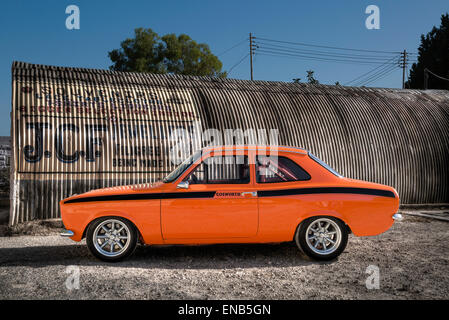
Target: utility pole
pixel 403 65
pixel 251 53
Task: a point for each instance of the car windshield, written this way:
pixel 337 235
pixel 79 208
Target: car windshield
pixel 175 174
pixel 325 165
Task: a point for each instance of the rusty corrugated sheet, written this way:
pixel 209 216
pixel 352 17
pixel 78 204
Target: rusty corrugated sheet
pixel 67 122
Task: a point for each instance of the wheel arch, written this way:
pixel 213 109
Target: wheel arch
pixel 113 214
pixel 322 214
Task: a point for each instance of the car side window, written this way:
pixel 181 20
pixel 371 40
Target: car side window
pixel 278 169
pixel 221 170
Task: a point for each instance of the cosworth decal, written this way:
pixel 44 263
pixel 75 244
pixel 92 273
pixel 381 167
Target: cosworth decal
pixel 228 194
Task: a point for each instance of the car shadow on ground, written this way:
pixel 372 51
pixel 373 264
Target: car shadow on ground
pixel 220 256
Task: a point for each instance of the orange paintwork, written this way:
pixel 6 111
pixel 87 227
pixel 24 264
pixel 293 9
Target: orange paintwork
pixel 230 217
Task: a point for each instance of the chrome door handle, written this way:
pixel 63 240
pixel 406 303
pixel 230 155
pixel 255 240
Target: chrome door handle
pixel 253 193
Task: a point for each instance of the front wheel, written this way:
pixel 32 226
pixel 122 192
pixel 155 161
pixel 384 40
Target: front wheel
pixel 322 238
pixel 111 238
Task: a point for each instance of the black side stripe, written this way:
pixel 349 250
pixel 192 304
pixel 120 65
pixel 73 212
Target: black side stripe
pixel 288 192
pixel 145 196
pixel 211 194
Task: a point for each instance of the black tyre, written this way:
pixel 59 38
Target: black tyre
pixel 322 237
pixel 111 238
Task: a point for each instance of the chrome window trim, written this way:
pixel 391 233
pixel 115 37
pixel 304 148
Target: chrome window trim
pixel 324 165
pixel 249 148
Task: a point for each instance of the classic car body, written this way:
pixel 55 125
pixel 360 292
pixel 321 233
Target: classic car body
pixel 254 195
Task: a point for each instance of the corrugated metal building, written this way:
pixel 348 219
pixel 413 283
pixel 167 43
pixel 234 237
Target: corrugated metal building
pixel 78 129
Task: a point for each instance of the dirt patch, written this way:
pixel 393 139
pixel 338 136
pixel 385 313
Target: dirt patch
pixel 32 228
pixel 429 206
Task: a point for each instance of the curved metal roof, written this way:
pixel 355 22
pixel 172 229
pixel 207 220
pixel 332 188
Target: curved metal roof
pixel 389 136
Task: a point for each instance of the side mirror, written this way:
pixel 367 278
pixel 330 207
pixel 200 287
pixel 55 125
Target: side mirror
pixel 183 185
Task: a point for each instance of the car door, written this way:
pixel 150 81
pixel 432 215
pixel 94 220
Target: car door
pixel 220 202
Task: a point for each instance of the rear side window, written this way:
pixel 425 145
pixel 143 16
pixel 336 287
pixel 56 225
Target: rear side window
pixel 325 165
pixel 278 169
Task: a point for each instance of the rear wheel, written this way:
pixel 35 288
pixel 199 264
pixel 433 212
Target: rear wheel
pixel 111 238
pixel 322 238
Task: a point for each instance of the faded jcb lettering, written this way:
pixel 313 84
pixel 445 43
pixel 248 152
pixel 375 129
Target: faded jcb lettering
pixel 71 142
pixel 93 140
pixel 90 140
pixel 34 153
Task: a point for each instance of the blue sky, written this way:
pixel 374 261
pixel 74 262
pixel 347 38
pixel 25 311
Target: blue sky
pixel 34 31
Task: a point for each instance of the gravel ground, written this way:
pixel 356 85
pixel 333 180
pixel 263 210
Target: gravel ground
pixel 412 258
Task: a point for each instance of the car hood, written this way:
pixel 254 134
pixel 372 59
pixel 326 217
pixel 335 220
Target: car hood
pixel 133 187
pixel 128 189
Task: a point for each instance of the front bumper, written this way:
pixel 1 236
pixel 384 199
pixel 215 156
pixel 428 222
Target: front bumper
pixel 67 233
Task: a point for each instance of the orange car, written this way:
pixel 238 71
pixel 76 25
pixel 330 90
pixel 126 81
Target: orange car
pixel 248 194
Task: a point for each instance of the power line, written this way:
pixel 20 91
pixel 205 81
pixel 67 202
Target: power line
pixel 386 62
pixel 379 72
pixel 328 47
pixel 325 55
pixel 316 59
pixel 234 46
pixel 426 77
pixel 309 57
pixel 435 75
pixel 381 76
pixel 367 79
pixel 371 71
pixel 239 62
pixel 262 45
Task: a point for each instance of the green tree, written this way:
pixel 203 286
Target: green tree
pixel 148 52
pixel 433 55
pixel 310 78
